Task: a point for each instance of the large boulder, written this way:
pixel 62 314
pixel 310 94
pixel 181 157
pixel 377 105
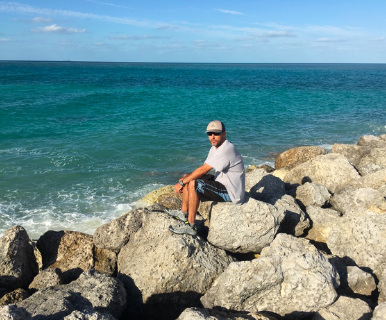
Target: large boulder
pixel 374 180
pixel 353 153
pixel 46 278
pixel 165 273
pixel 204 314
pixel 12 312
pixel 314 194
pixel 345 308
pixel 291 277
pixel 13 297
pixel 372 141
pixel 262 185
pixel 322 221
pixel 244 228
pixel 115 234
pixel 295 156
pixel 360 238
pixel 351 200
pixel 69 251
pixel 379 312
pixel 18 264
pixel 331 170
pixel 373 161
pixel 359 281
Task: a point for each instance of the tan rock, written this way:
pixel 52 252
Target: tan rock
pixel 295 156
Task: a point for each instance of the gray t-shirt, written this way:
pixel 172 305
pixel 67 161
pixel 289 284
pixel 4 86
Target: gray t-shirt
pixel 229 167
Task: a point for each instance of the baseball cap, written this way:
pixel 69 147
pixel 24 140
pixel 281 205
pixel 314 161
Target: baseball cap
pixel 215 126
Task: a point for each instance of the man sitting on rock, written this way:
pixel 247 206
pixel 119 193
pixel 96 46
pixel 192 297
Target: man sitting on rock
pixel 227 184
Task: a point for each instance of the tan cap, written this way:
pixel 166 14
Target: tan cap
pixel 215 126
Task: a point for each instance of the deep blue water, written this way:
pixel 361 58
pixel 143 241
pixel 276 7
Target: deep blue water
pixel 81 142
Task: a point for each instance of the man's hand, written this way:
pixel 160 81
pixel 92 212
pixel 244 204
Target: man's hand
pixel 178 188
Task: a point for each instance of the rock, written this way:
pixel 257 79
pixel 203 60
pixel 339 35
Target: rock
pixel 244 228
pixel 18 265
pixel 322 221
pixel 295 156
pixel 12 312
pixel 165 273
pixel 46 278
pixel 88 315
pixel 171 201
pixel 345 308
pixel 14 296
pixel 379 312
pixel 151 198
pixel 374 180
pixel 204 314
pixel 280 173
pixel 350 200
pixel 105 261
pixel 70 251
pixel 314 194
pixel 353 153
pixel 371 141
pixel 291 277
pixel 359 281
pixel 106 294
pixel 115 234
pixel 91 293
pixel 331 170
pixel 360 238
pixel 382 287
pixel 373 161
pixel 263 186
pixel 295 221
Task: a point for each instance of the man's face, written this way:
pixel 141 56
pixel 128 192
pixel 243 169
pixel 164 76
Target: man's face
pixel 216 139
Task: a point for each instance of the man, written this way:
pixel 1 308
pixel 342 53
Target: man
pixel 227 184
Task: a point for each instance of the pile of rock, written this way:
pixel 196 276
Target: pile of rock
pixel 308 243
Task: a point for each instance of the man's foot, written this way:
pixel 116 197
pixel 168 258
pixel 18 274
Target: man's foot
pixel 177 214
pixel 184 229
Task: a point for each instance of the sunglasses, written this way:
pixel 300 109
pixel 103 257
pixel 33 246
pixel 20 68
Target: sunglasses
pixel 215 133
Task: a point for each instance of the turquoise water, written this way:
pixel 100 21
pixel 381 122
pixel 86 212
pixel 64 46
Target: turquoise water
pixel 81 142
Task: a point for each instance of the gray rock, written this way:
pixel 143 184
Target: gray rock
pixel 295 156
pixel 115 234
pixel 204 314
pixel 351 200
pixel 374 180
pixel 12 312
pixel 379 312
pixel 353 153
pixel 46 278
pixel 291 277
pixel 382 287
pixel 244 228
pixel 359 281
pixel 295 221
pixel 360 238
pixel 70 251
pixel 314 194
pixel 331 170
pixel 263 186
pixel 322 221
pixel 90 315
pixel 374 160
pixel 165 273
pixel 18 264
pixel 345 308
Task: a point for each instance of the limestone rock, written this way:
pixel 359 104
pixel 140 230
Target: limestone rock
pixel 373 161
pixel 291 277
pixel 351 200
pixel 171 201
pixel 371 141
pixel 115 234
pixel 18 264
pixel 204 314
pixel 151 198
pixel 322 222
pixel 374 180
pixel 88 315
pixel 14 296
pixel 359 281
pixel 331 170
pixel 46 278
pixel 165 273
pixel 314 194
pixel 262 185
pixel 353 153
pixel 244 228
pixel 382 287
pixel 361 238
pixel 70 251
pixel 295 221
pixel 295 156
pixel 379 312
pixel 345 308
pixel 12 312
pixel 105 261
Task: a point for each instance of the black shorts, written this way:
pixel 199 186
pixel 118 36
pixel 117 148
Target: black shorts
pixel 208 189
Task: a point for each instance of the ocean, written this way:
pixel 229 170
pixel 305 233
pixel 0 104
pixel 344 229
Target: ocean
pixel 82 142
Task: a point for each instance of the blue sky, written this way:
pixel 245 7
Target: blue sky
pixel 244 31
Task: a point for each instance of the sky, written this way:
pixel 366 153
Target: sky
pixel 244 31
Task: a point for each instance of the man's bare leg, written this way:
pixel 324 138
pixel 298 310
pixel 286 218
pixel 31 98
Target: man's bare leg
pixel 193 201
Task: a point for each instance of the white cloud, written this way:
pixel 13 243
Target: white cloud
pixel 126 37
pixel 4 39
pixel 57 29
pixel 40 20
pixel 228 11
pixel 109 4
pixel 275 34
pixel 330 40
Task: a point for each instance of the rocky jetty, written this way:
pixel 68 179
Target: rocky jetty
pixel 309 242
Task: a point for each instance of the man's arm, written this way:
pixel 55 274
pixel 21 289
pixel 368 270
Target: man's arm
pixel 199 172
